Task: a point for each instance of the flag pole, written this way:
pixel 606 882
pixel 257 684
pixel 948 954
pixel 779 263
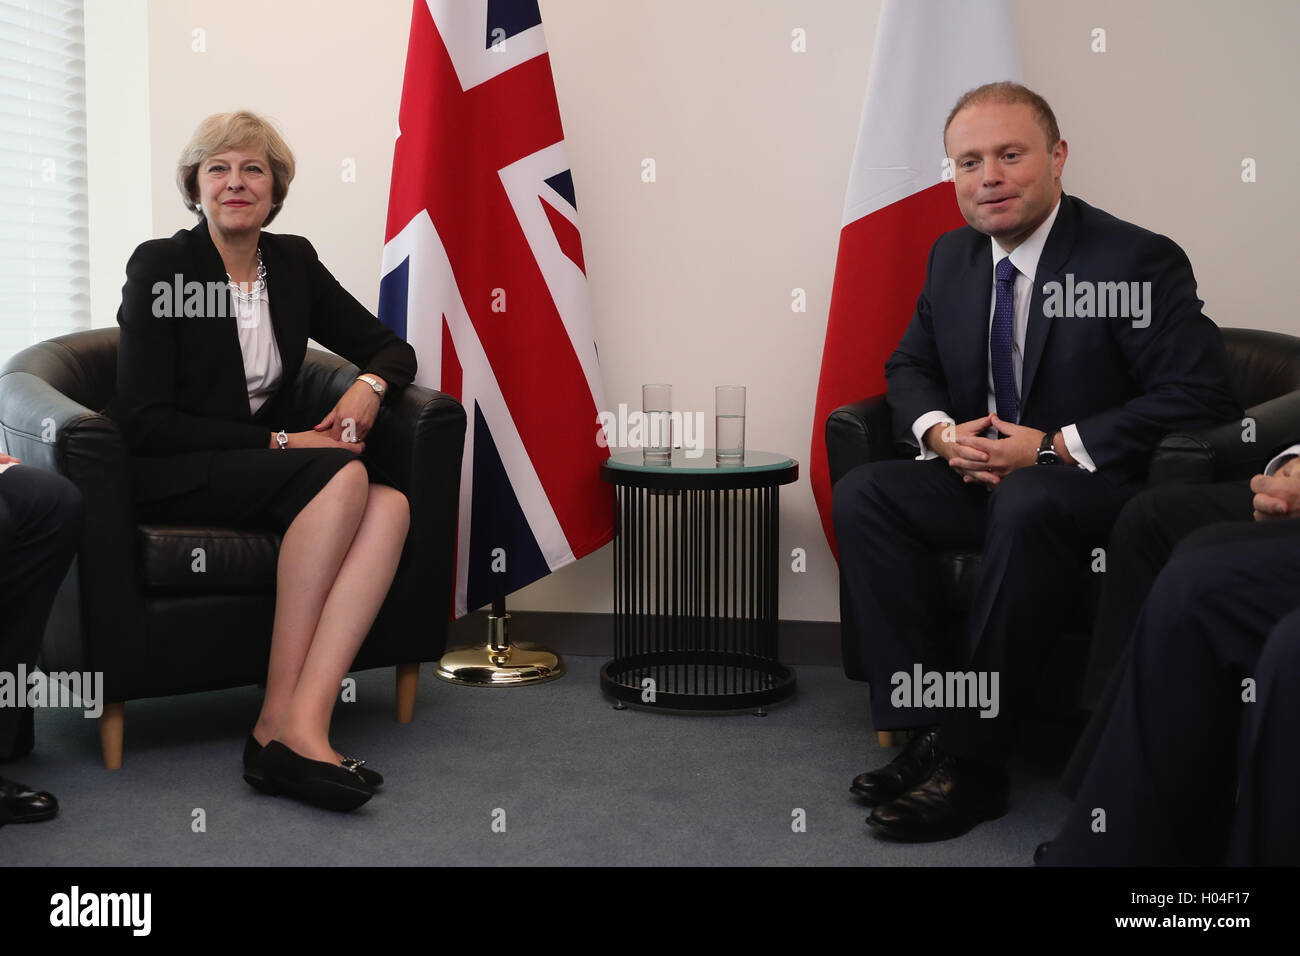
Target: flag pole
pixel 499 663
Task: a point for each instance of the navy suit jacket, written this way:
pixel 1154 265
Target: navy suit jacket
pixel 181 388
pixel 1124 388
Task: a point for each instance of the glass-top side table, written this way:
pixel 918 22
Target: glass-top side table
pixel 696 581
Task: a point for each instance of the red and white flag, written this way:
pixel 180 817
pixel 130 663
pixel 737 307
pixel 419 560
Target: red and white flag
pixel 900 196
pixel 483 274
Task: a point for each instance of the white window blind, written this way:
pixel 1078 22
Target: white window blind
pixel 44 262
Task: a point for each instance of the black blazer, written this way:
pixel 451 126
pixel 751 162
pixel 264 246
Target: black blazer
pixel 1125 388
pixel 181 388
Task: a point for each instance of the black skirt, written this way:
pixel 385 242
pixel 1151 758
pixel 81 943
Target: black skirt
pixel 252 488
pixel 258 487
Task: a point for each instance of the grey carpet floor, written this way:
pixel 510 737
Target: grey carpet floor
pixel 574 781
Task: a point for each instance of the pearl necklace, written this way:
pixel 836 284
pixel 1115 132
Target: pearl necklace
pixel 259 285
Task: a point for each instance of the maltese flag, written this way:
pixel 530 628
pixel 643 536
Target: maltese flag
pixel 483 274
pixel 900 197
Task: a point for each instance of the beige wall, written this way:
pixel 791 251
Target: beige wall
pixel 118 176
pixel 691 276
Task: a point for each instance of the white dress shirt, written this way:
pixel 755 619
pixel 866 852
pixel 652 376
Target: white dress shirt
pixel 1025 258
pixel 262 365
pixel 1281 460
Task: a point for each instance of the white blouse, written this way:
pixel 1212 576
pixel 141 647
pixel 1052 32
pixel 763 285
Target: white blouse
pixel 262 366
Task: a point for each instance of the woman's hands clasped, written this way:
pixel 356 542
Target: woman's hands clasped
pixel 315 439
pixel 347 424
pixel 351 419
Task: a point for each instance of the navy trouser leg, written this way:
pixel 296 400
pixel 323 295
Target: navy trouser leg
pixel 40 525
pixel 1165 772
pixel 892 518
pixel 1266 829
pixel 1044 526
pixel 1145 534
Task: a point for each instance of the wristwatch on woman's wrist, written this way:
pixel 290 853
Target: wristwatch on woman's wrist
pixel 373 383
pixel 282 439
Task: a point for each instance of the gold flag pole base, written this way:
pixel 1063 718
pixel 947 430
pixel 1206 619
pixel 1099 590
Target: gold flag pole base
pixel 499 663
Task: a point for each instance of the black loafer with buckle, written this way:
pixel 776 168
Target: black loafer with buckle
pixel 255 775
pixel 321 784
pixel 373 777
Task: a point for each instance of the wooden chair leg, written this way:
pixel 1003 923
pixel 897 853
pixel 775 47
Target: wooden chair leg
pixel 408 677
pixel 885 738
pixel 111 726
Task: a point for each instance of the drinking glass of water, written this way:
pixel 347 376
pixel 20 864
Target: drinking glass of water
pixel 730 409
pixel 657 408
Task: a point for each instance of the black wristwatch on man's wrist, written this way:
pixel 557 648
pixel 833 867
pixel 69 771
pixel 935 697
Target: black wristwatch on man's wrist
pixel 1046 453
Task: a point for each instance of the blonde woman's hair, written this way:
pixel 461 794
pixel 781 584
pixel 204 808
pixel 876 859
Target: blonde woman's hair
pixel 238 130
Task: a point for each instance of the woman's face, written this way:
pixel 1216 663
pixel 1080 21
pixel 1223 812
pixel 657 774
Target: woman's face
pixel 235 190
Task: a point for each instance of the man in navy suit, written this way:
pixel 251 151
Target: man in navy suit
pixel 1053 346
pixel 1196 765
pixel 41 516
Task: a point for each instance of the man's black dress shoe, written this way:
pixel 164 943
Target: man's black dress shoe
pixel 255 776
pixel 956 796
pixel 902 773
pixel 19 803
pixel 319 783
pixel 1040 852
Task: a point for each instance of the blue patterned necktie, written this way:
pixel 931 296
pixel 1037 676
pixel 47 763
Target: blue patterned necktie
pixel 1000 343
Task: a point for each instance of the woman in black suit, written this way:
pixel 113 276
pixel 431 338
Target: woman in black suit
pixel 214 327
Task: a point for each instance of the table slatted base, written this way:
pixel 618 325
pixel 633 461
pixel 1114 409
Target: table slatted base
pixel 695 599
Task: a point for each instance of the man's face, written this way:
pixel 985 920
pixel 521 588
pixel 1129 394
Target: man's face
pixel 1006 176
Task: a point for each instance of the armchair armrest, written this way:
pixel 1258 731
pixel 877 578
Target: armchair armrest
pixel 418 435
pixel 418 444
pixel 858 433
pixel 1222 452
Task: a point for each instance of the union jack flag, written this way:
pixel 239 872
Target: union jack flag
pixel 483 274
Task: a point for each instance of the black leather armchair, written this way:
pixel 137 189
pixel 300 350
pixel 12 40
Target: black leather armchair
pixel 1266 371
pixel 130 609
